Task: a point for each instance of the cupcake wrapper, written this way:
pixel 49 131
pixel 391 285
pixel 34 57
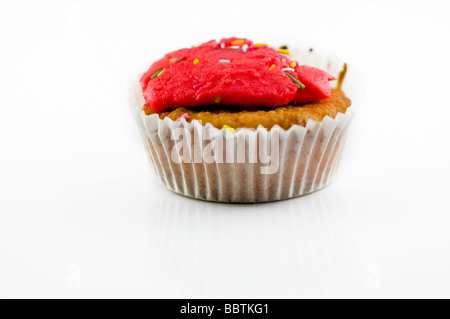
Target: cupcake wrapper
pixel 298 161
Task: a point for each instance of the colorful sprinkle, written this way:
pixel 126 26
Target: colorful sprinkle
pixel 222 45
pixel 238 42
pixel 229 128
pixel 293 64
pixel 245 48
pixel 156 73
pixel 185 116
pixel 196 61
pixel 174 60
pixel 218 99
pixel 159 74
pixel 284 51
pixel 302 86
pixel 286 56
pixel 272 67
pixel 224 61
pixel 198 86
pixel 287 69
pixel 260 45
pixel 234 47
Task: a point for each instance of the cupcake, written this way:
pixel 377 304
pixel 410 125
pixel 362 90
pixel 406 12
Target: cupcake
pixel 242 122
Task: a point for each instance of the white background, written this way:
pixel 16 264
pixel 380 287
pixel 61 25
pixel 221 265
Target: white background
pixel 82 215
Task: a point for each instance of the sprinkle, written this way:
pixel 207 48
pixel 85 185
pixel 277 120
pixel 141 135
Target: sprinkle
pixel 196 61
pixel 156 73
pixel 295 80
pixel 234 47
pixel 286 56
pixel 293 64
pixel 198 86
pixel 285 47
pixel 272 67
pixel 174 60
pixel 229 128
pixel 238 42
pixel 245 47
pixel 185 116
pixel 260 45
pixel 222 45
pixel 218 99
pixel 159 74
pixel 287 69
pixel 224 61
pixel 284 51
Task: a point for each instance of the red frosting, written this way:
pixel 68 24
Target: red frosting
pixel 252 78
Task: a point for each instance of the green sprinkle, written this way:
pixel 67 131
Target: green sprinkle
pixel 156 73
pixel 295 81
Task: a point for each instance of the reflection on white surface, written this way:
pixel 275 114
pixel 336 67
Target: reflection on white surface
pixel 300 247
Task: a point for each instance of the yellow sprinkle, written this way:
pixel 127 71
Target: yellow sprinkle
pixel 260 45
pixel 293 64
pixel 237 42
pixel 196 61
pixel 229 128
pixel 272 67
pixel 218 99
pixel 159 74
pixel 172 60
pixel 283 51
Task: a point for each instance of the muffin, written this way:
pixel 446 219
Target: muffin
pixel 241 122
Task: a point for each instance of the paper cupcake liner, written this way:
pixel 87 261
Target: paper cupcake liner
pixel 301 160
